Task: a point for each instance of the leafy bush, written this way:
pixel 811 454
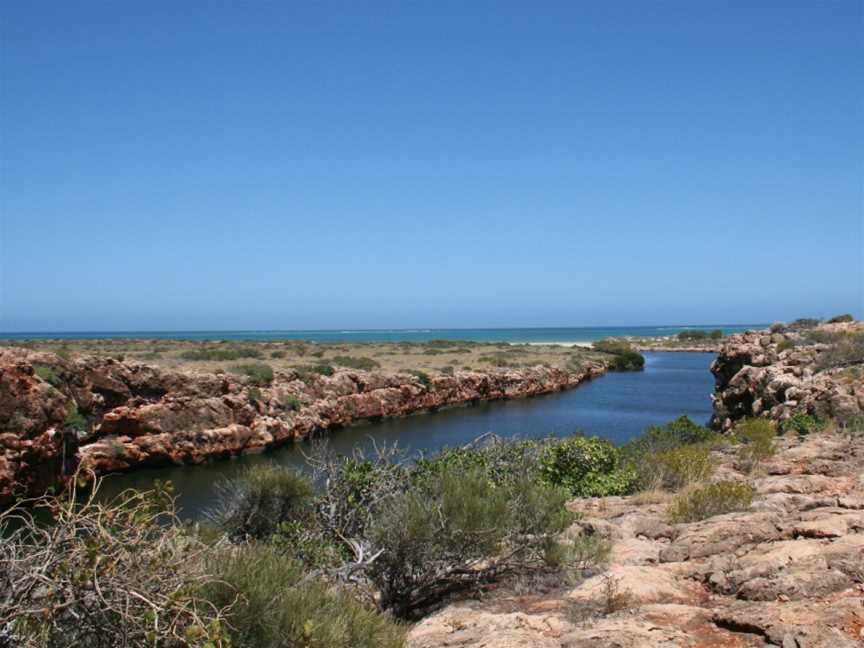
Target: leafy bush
pixel 837 319
pixel 258 373
pixel 801 424
pixel 855 425
pixel 714 499
pixel 254 394
pixel 785 344
pixel 277 606
pixel 277 354
pixel 692 335
pixel 778 327
pixel 757 436
pixel 366 364
pixel 586 467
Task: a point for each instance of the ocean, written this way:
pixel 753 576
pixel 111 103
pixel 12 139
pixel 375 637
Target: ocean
pixel 559 334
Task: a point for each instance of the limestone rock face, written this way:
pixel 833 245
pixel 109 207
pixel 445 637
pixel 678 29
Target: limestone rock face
pixel 789 572
pixel 778 375
pixel 139 415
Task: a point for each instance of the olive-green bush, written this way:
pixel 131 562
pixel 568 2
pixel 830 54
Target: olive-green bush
pixel 707 501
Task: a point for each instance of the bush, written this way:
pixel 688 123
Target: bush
pixel 678 467
pixel 422 377
pixel 586 467
pixel 778 327
pixel 457 531
pixel 118 573
pixel 838 319
pixel 716 334
pixel 625 357
pixel 366 364
pixel 714 499
pixel 692 335
pixel 784 345
pixel 277 354
pixel 803 323
pixel 845 350
pixel 676 433
pixel 290 402
pixel 252 504
pixel 855 425
pixel 258 373
pixel 275 604
pixel 48 375
pixel 801 424
pixel 307 372
pixel 757 436
pixel 74 420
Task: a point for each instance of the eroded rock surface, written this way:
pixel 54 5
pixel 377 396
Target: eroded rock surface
pixel 132 414
pixel 788 572
pixel 760 373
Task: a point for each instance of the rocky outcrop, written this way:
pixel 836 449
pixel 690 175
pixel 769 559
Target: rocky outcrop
pixel 789 572
pixel 131 415
pixel 760 373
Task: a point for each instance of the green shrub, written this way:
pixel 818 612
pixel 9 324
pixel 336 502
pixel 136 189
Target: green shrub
pixel 254 394
pixel 258 373
pixel 692 335
pixel 274 604
pixel 74 420
pixel 801 424
pixel 837 319
pixel 778 327
pixel 366 364
pixel 290 402
pixel 277 354
pixel 625 357
pixel 757 438
pixel 678 467
pixel 586 467
pixel 716 334
pixel 48 375
pixel 714 499
pixel 422 377
pixel 307 372
pixel 253 503
pixel 457 531
pixel 803 323
pixel 676 433
pixel 854 425
pixel 785 344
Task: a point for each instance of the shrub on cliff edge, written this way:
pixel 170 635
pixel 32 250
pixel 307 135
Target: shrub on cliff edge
pixel 714 499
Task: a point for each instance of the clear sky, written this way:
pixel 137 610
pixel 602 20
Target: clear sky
pixel 189 165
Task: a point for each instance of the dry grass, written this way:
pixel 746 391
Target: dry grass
pixel 393 357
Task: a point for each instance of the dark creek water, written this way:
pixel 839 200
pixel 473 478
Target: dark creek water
pixel 617 406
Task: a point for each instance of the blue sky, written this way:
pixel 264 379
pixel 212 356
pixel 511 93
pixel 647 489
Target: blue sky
pixel 270 165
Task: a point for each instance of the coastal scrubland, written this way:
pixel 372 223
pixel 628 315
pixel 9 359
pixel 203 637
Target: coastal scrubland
pixel 388 357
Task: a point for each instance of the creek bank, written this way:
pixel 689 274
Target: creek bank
pixel 100 414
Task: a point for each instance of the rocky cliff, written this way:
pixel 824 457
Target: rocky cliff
pixel 760 373
pixel 58 413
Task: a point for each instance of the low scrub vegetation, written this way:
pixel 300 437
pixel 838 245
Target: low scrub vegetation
pixel 703 502
pixel 311 371
pixel 221 354
pixel 258 373
pixel 700 336
pixel 838 319
pixel 756 436
pixel 366 364
pixel 625 357
pixel 802 424
pixel 49 375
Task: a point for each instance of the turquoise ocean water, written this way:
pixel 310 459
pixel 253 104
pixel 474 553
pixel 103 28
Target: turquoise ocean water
pixel 562 334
